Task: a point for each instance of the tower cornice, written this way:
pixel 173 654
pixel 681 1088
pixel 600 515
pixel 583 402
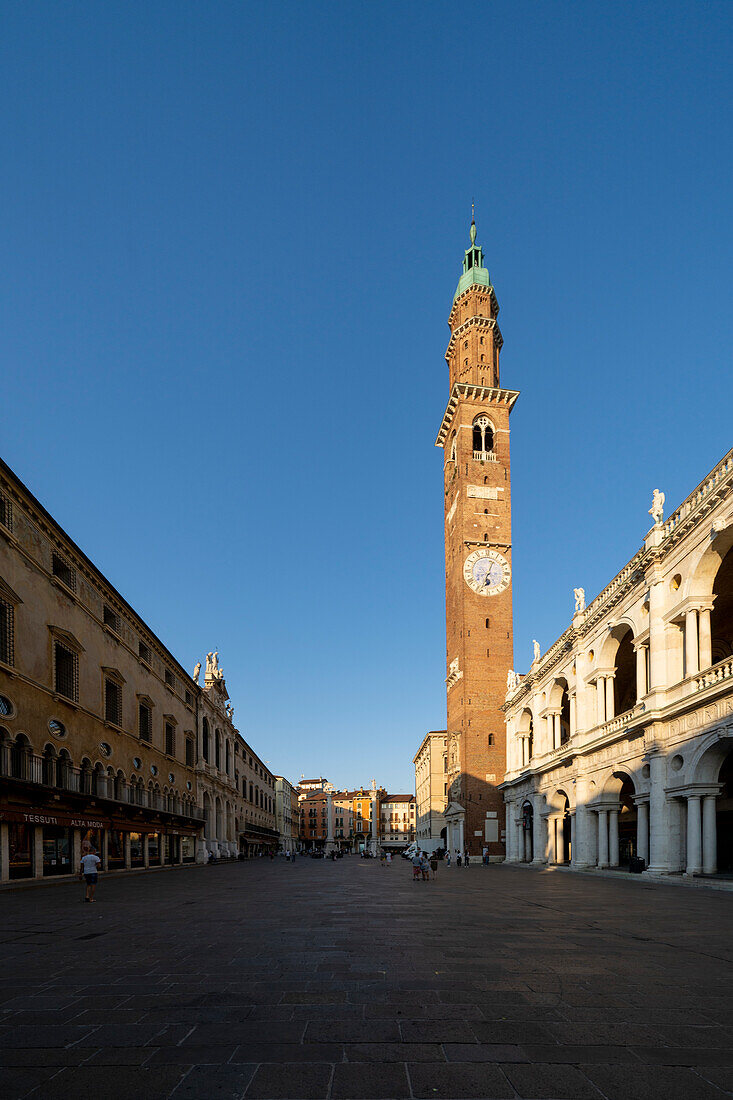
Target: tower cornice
pixel 479 322
pixel 463 391
pixel 486 289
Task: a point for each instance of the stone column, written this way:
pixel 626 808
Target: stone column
pixel 580 855
pixel 527 845
pixel 573 715
pixel 613 854
pixel 658 817
pixel 461 835
pixel 539 832
pixel 127 849
pixel 329 822
pixel 375 823
pixel 642 831
pixel 705 655
pixel 640 672
pixel 709 835
pixel 602 838
pixel 694 836
pixel 610 710
pixel 600 700
pixel 551 845
pixel 511 840
pixel 4 853
pixel 572 836
pixel 692 661
pixel 146 853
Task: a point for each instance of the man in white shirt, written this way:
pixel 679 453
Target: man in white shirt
pixel 90 865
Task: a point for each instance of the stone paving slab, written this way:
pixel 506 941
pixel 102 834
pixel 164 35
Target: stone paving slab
pixel 346 981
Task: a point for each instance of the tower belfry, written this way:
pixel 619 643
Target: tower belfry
pixel 474 436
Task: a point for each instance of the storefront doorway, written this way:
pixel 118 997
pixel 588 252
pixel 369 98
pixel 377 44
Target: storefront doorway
pixel 56 850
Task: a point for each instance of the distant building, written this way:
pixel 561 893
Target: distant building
pixel 286 822
pixel 431 790
pixel 397 821
pixel 319 784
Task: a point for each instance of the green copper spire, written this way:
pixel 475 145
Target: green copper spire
pixel 473 264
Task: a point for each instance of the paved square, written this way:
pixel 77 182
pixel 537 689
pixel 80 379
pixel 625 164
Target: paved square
pixel 349 980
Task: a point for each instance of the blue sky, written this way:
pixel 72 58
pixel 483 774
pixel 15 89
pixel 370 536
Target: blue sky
pixel 230 235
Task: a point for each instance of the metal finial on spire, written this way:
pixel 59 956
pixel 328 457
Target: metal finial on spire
pixel 473 223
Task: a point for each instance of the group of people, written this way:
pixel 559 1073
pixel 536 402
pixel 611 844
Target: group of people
pixel 423 866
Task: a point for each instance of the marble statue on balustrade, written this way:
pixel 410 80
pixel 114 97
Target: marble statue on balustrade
pixel 196 672
pixel 512 680
pixel 536 649
pixel 579 594
pixel 657 509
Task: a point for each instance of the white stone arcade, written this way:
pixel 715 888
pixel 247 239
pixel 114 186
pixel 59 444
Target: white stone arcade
pixel 620 737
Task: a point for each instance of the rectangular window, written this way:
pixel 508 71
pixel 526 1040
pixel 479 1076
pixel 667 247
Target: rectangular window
pixel 61 569
pixel 66 671
pixel 170 739
pixel 189 752
pixel 113 702
pixel 170 678
pixel 189 699
pixel 144 652
pixel 7 632
pixel 6 512
pixel 111 619
pixel 145 722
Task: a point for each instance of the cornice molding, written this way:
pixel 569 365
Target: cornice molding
pixel 465 391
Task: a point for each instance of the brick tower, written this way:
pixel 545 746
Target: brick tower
pixel 474 436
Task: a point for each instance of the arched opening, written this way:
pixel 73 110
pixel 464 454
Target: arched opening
pixel 119 786
pixel 228 759
pixel 207 816
pixel 49 766
pixel 721 617
pixel 724 817
pixel 205 739
pixel 217 749
pixel 562 829
pixel 85 776
pixel 483 435
pixel 624 681
pixel 219 822
pixel 64 770
pixel 528 832
pixel 20 758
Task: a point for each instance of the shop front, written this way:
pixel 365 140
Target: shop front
pixel 50 845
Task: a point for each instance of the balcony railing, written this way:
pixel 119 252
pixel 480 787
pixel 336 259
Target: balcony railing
pixel 484 456
pixel 57 774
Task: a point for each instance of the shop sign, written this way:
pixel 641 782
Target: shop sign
pixel 61 817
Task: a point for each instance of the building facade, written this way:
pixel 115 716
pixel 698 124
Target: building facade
pixel 620 736
pixel 474 436
pixel 97 717
pixel 397 821
pixel 286 822
pixel 431 791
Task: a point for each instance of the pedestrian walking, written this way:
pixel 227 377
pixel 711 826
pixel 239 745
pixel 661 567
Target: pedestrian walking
pixel 466 860
pixel 90 865
pixel 459 860
pixel 389 859
pixel 416 867
pixel 434 864
pixel 424 868
pixel 447 859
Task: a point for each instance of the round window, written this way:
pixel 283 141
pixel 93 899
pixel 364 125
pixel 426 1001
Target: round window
pixel 676 763
pixel 6 707
pixel 58 729
pixel 189 786
pixel 171 777
pixel 105 749
pixel 137 763
pixel 153 769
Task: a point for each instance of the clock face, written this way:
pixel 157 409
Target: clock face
pixel 487 572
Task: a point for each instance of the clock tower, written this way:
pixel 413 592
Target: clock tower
pixel 474 436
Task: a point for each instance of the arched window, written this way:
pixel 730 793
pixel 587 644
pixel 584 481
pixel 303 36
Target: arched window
pixel 205 738
pixel 228 758
pixel 483 435
pixel 217 749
